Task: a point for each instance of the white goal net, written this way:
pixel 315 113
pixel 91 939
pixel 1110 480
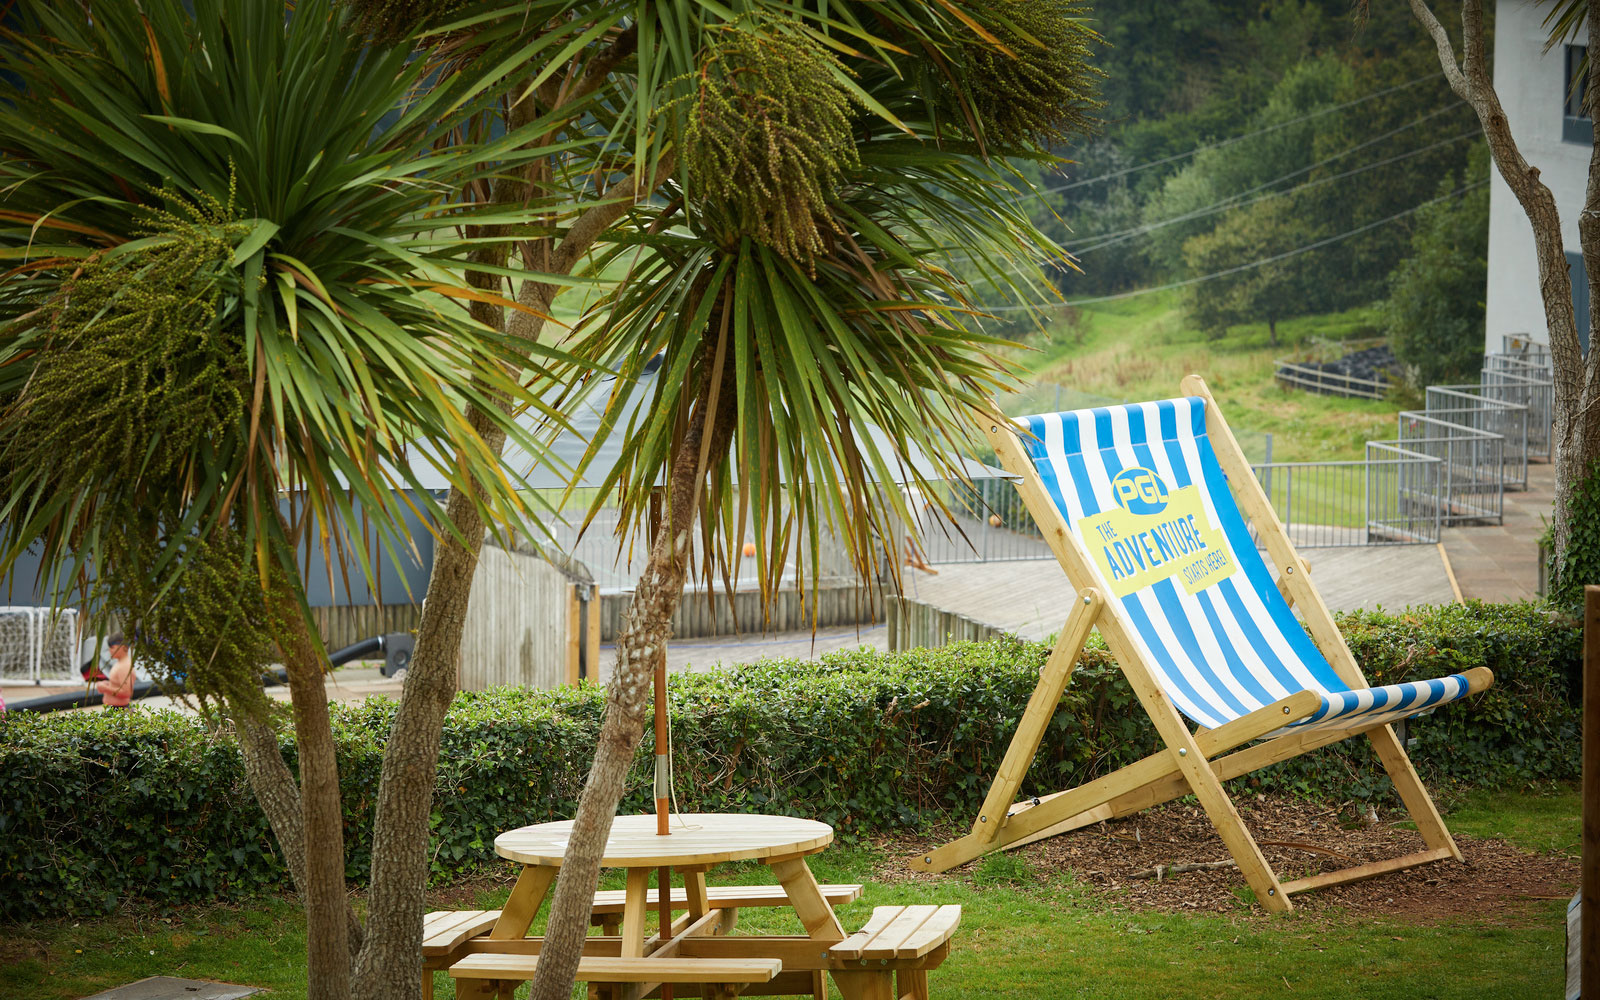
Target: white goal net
pixel 38 645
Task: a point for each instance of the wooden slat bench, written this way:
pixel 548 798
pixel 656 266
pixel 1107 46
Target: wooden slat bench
pixel 902 942
pixel 445 933
pixel 723 977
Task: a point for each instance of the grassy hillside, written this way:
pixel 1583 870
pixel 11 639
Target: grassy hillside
pixel 1140 348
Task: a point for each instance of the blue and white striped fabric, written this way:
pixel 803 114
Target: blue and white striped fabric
pixel 1234 645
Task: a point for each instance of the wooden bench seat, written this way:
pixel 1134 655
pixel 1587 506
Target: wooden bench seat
pixel 443 931
pixel 895 950
pixel 900 932
pixel 722 978
pixel 446 932
pixel 726 897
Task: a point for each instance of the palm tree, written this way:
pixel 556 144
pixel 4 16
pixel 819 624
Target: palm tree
pixel 236 245
pixel 803 275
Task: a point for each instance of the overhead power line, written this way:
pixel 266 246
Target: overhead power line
pixel 1308 116
pixel 1241 201
pixel 1262 262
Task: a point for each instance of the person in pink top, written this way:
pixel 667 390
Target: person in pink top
pixel 116 688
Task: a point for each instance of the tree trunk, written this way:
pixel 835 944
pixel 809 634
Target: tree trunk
pixel 322 816
pixel 387 967
pixel 1575 428
pixel 1578 444
pixel 279 798
pixel 1272 331
pixel 641 644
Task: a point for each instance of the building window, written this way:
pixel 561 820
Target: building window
pixel 1576 125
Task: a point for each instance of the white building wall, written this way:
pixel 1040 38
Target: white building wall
pixel 1532 90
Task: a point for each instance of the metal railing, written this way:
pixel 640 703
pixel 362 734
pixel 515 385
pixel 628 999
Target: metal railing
pixel 1514 380
pixel 1471 484
pixel 1389 498
pixel 1464 406
pixel 989 523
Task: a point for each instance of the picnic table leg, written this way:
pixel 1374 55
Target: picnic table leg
pixel 533 882
pixel 634 906
pixel 823 926
pixel 821 923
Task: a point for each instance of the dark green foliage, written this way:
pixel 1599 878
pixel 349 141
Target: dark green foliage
pixel 1266 294
pixel 95 807
pixel 1435 306
pixel 391 20
pixel 1581 563
pixel 765 138
pixel 1194 73
pixel 1033 84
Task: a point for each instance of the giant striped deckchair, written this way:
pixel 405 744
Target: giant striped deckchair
pixel 1142 506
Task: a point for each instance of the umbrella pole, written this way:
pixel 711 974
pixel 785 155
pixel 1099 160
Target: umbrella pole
pixel 663 804
pixel 663 775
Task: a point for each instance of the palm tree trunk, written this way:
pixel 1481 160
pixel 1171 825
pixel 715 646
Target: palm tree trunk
pixel 641 644
pixel 279 798
pixel 322 816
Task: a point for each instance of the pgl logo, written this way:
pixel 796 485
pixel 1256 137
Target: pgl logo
pixel 1139 491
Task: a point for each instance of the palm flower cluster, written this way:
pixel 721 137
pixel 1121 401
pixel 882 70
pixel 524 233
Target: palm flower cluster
pixel 765 139
pixel 210 627
pixel 133 377
pixel 128 352
pixel 390 21
pixel 1034 87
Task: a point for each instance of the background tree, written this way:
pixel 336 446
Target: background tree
pixel 1576 388
pixel 1434 313
pixel 235 279
pixel 1254 293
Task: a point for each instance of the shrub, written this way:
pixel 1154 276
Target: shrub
pixel 96 807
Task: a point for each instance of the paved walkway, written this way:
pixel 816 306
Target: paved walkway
pixel 1491 562
pixel 1030 598
pixel 1500 563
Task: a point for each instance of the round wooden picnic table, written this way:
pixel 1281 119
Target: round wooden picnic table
pixel 694 843
pixel 694 840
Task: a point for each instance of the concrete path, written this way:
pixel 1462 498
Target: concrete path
pixel 1500 563
pixel 1030 598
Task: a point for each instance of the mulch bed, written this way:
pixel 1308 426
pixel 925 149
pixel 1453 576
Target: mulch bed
pixel 1116 859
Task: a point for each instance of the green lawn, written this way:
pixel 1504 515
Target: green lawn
pixel 1024 933
pixel 1140 348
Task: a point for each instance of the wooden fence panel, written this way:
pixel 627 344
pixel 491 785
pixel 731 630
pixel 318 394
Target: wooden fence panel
pixel 517 625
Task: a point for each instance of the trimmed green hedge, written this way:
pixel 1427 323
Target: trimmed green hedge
pixel 97 807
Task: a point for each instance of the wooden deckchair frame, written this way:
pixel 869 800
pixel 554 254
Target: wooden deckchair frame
pixel 1190 762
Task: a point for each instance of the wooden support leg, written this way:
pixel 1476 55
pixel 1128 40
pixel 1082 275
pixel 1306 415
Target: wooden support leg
pixel 911 984
pixel 1196 769
pixel 633 912
pixel 694 885
pixel 821 923
pixel 1036 717
pixel 873 985
pixel 1088 802
pixel 516 916
pixel 1416 798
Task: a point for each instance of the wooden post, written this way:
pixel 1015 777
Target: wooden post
pixel 1589 911
pixel 574 635
pixel 591 645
